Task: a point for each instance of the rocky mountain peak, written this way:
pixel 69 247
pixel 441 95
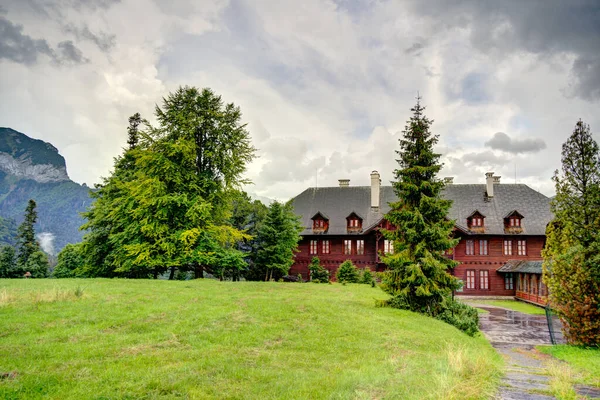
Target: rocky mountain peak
pixel 27 158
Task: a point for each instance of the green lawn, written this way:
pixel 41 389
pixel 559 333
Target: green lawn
pixel 586 361
pixel 513 305
pixel 130 339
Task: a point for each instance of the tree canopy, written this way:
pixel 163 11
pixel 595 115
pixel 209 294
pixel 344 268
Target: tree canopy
pixel 572 253
pixel 167 203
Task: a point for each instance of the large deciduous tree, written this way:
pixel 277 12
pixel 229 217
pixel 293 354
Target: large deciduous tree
pixel 572 253
pixel 278 240
pixel 419 277
pixel 168 202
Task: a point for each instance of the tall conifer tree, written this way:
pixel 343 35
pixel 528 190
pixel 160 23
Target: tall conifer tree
pixel 26 243
pixel 419 274
pixel 572 253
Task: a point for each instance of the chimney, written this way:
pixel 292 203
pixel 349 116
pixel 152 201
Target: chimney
pixel 344 182
pixel 375 184
pixel 449 180
pixel 497 179
pixel 489 183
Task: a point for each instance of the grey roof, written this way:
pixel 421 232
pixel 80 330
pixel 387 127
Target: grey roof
pixel 339 202
pixel 532 267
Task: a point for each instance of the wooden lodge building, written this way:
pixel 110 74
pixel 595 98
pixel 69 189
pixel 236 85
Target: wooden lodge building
pixel 501 226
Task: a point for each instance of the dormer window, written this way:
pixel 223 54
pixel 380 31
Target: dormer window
pixel 353 222
pixel 513 222
pixel 320 223
pixel 476 221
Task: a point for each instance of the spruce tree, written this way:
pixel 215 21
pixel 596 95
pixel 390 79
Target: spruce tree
pixel 26 243
pixel 418 275
pixel 572 252
pixel 278 241
pixel 8 266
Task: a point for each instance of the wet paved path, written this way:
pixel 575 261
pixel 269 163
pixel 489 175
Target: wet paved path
pixel 515 335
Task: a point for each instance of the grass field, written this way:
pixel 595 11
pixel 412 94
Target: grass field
pixel 514 305
pixel 133 339
pixel 585 361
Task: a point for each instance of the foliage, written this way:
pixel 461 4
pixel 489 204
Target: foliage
pixel 572 252
pixel 461 315
pixel 26 243
pixel 168 202
pixel 8 263
pixel 347 273
pixel 418 271
pixel 366 276
pixel 70 262
pixel 278 239
pixel 197 339
pixel 318 274
pixel 37 265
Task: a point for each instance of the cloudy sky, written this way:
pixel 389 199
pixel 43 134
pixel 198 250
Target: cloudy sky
pixel 325 85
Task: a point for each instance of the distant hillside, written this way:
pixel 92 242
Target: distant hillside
pixel 33 169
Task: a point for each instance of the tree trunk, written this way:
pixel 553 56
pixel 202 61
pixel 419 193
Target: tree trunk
pixel 172 274
pixel 155 273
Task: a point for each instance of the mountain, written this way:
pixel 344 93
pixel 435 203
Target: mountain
pixel 33 169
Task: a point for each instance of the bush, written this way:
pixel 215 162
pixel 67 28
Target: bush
pixel 460 315
pixel 366 277
pixel 347 273
pixel 318 274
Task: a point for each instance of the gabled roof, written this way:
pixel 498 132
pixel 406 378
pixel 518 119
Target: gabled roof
pixel 355 214
pixel 532 267
pixel 476 212
pixel 319 214
pixel 338 203
pixel 513 212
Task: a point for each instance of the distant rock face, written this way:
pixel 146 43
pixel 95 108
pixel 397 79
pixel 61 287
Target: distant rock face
pixel 23 168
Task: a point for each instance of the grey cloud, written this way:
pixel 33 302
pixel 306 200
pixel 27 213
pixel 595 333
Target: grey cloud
pixel 70 53
pixel 20 48
pixel 105 42
pixel 483 158
pixel 23 49
pixel 541 27
pixel 501 141
pixel 416 48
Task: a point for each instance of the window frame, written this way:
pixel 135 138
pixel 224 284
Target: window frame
pixel 325 247
pixel 469 247
pixel 347 247
pixel 483 247
pixel 509 281
pixel 470 279
pixel 507 245
pixel 484 279
pixel 522 247
pixel 360 247
pixel 388 246
pixel 314 247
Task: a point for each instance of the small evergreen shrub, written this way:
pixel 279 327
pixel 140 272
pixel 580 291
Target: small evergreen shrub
pixel 366 277
pixel 347 273
pixel 318 274
pixel 461 315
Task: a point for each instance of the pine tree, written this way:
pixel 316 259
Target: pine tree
pixel 132 131
pixel 318 274
pixel 278 240
pixel 572 252
pixel 26 243
pixel 347 273
pixel 419 276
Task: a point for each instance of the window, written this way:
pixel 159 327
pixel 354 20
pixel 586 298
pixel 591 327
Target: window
pixel 483 247
pixel 477 221
pixel 313 247
pixel 470 279
pixel 318 223
pixel 470 250
pixel 509 282
pixel 388 247
pixel 347 246
pixel 508 247
pixel 325 246
pixel 515 222
pixel 360 247
pixel 353 223
pixel 484 280
pixel 522 247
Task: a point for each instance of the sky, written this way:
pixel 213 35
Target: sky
pixel 325 86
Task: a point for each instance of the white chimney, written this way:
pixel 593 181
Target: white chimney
pixel 489 183
pixel 497 179
pixel 344 182
pixel 375 185
pixel 449 180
